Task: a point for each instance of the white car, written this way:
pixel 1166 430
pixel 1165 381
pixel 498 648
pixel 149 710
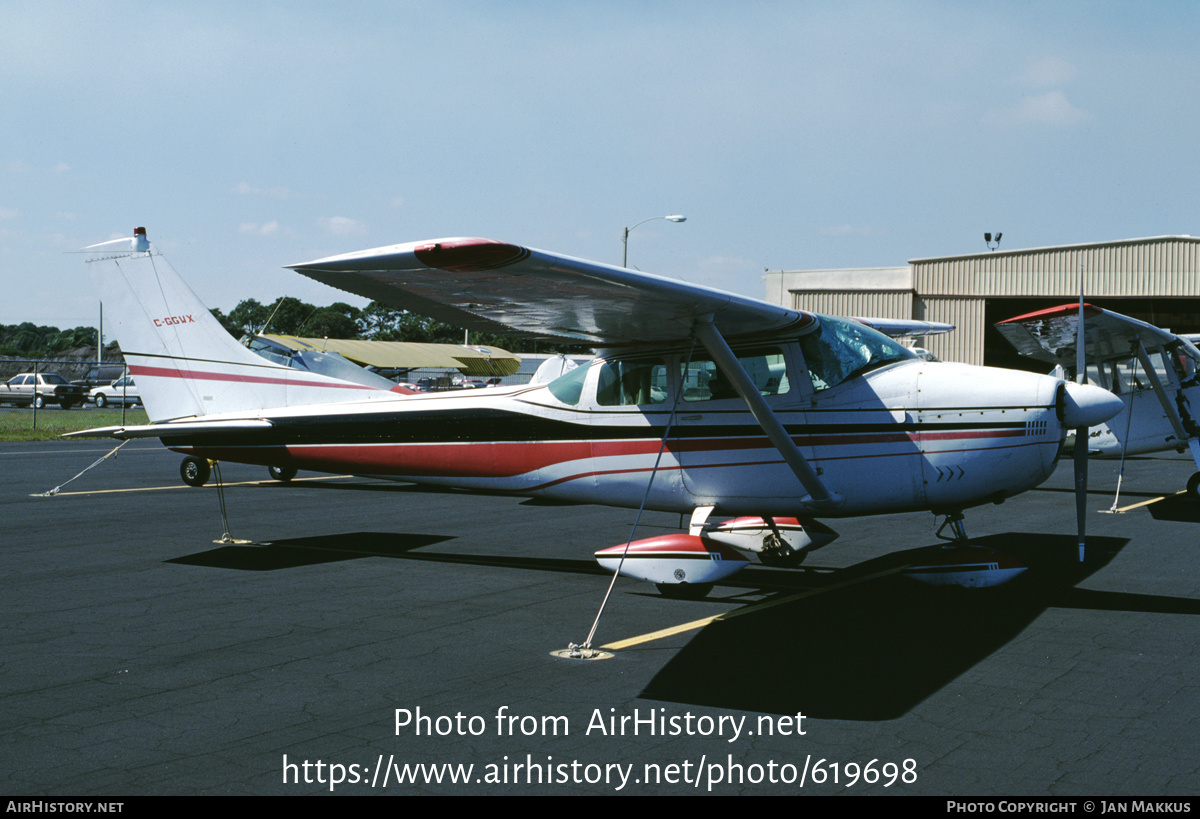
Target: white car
pixel 123 390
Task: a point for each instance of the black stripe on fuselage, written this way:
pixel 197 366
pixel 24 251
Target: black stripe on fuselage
pixel 502 426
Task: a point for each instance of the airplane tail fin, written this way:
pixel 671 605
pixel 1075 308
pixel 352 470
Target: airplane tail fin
pixel 183 360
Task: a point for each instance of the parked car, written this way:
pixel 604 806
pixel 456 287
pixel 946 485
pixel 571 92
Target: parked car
pixel 41 389
pixel 99 375
pixel 123 390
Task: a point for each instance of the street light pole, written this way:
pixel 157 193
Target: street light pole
pixel 625 238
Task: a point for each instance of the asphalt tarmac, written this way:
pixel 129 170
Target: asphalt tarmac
pixel 378 637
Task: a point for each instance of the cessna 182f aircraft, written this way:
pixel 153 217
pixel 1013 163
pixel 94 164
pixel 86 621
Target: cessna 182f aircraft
pixel 1155 372
pixel 703 403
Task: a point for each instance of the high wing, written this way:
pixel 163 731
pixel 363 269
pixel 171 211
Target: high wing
pixel 1156 373
pixel 1049 335
pixel 905 328
pixel 492 286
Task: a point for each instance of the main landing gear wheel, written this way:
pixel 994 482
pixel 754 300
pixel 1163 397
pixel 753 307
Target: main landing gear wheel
pixel 684 591
pixel 282 473
pixel 195 471
pixel 1193 486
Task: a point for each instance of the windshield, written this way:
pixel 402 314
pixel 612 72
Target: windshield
pixel 839 350
pixel 568 388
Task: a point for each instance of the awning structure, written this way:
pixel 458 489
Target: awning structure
pixel 403 355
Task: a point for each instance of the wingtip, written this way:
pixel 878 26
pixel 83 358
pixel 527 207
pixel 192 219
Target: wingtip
pixel 458 253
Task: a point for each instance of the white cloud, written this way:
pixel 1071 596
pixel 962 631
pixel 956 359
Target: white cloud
pixel 342 226
pixel 1051 108
pixel 1048 72
pixel 9 213
pixel 62 167
pixel 255 229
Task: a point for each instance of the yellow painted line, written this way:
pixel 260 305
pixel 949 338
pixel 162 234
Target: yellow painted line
pixel 185 486
pixel 1147 503
pixel 751 609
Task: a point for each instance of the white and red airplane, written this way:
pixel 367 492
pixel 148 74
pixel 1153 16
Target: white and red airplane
pixel 703 403
pixel 1156 374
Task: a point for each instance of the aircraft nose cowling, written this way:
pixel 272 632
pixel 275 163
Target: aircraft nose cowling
pixel 1086 405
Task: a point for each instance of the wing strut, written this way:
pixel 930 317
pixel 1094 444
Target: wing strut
pixel 1160 392
pixel 822 499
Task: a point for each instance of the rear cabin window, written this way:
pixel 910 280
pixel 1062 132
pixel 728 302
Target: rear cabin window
pixel 704 381
pixel 631 383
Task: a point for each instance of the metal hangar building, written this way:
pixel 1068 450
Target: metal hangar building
pixel 1156 280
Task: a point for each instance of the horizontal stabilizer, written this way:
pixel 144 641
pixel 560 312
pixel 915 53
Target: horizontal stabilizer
pixel 177 429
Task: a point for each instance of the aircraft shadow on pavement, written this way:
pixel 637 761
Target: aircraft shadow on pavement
pixel 875 650
pixel 307 551
pixel 1179 508
pixel 868 651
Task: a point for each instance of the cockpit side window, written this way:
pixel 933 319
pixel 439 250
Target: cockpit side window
pixel 632 383
pixel 840 350
pixel 569 387
pixel 704 381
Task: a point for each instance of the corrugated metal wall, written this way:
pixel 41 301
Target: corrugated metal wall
pixel 966 314
pixel 1148 267
pixel 855 303
pixel 954 289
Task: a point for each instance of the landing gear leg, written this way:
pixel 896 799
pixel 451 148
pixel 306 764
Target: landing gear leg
pixel 959 537
pixel 958 563
pixel 776 551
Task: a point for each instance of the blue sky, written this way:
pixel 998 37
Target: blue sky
pixel 246 136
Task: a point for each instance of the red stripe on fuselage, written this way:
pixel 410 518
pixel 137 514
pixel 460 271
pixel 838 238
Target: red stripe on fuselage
pixel 512 459
pixel 200 375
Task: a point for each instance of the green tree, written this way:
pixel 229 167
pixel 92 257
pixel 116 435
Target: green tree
pixel 287 316
pixel 338 320
pixel 228 323
pixel 249 317
pixel 378 318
